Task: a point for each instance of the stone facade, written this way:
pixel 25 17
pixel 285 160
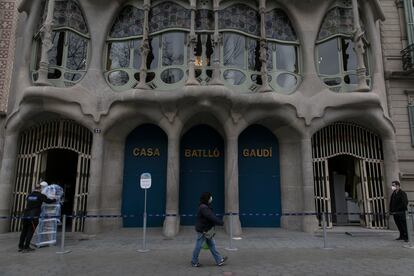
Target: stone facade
pixel 293 119
pixel 399 86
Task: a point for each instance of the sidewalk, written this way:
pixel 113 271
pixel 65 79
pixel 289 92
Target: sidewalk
pixel 260 252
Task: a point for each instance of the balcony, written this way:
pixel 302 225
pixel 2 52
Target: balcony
pixel 408 59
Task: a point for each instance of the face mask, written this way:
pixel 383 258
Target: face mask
pixel 393 188
pixel 210 200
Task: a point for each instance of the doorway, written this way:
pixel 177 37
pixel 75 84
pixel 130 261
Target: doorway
pixel 346 190
pixel 61 169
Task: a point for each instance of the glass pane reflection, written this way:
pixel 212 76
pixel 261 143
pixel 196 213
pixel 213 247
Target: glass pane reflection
pixel 118 78
pixel 172 75
pixel 234 46
pixel 286 58
pixel 234 77
pixel 173 49
pixel 286 81
pixel 119 55
pixel 328 58
pixel 77 50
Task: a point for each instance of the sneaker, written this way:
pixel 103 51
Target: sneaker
pixel 222 261
pixel 195 264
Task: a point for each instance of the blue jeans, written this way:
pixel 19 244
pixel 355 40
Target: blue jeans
pixel 212 246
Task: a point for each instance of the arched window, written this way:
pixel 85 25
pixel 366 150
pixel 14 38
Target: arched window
pixel 336 58
pixel 70 42
pixel 283 52
pixel 169 25
pixel 166 62
pixel 240 26
pixel 123 59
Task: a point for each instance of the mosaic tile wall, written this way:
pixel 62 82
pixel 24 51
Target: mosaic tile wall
pixel 8 19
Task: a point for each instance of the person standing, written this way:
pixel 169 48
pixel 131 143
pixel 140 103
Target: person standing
pixel 30 218
pixel 206 220
pixel 398 206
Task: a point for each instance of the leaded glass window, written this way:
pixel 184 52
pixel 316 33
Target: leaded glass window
pixel 169 15
pixel 240 17
pixel 336 58
pixel 278 26
pixel 128 23
pixel 70 43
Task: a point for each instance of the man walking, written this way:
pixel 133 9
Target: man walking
pixel 31 217
pixel 398 206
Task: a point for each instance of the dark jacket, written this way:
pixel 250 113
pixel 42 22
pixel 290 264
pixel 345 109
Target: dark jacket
pixel 34 204
pixel 399 201
pixel 206 219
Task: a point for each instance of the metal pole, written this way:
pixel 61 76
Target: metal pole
pixel 144 233
pixel 409 245
pixel 231 248
pixel 62 242
pixel 324 231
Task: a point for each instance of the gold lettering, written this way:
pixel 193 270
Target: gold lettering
pixel 194 153
pixel 187 153
pixel 216 153
pixel 246 153
pixel 149 152
pixel 252 153
pixel 135 152
pixel 157 152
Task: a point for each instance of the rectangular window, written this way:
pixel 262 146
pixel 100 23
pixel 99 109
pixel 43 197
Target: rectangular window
pixel 411 121
pixel 409 18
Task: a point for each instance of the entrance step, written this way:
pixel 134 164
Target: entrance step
pixel 356 231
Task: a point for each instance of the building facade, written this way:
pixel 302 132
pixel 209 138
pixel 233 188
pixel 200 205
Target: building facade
pixel 270 105
pixel 397 37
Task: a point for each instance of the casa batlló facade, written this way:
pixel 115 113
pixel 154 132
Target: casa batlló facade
pixel 270 105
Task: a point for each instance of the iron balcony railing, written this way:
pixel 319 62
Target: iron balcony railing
pixel 408 58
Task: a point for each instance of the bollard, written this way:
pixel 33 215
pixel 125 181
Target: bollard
pixel 144 234
pixel 62 242
pixel 324 231
pixel 230 247
pixel 409 245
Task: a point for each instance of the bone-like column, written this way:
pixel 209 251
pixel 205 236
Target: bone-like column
pixel 145 48
pixel 217 41
pixel 192 41
pixel 263 49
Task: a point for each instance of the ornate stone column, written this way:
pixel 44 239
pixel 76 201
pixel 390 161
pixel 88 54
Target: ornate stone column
pixel 217 42
pixel 46 35
pixel 263 50
pixel 145 48
pixel 95 182
pixel 192 42
pixel 359 50
pixel 6 177
pixel 232 184
pixel 172 220
pixel 309 223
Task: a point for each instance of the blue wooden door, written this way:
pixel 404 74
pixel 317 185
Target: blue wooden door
pixel 145 151
pixel 201 170
pixel 259 177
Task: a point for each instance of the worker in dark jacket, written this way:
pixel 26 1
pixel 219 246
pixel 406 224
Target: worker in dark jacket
pixel 398 206
pixel 206 220
pixel 31 215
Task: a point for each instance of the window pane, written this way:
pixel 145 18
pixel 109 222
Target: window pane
pixel 234 77
pixel 152 59
pixel 287 81
pixel 286 58
pixel 328 62
pixel 172 75
pixel 173 49
pixel 136 62
pixel 77 52
pixel 119 55
pixel 254 55
pixel 348 55
pixel 56 52
pixel 118 78
pixel 234 46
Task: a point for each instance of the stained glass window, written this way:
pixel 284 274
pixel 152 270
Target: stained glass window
pixel 337 21
pixel 204 20
pixel 278 26
pixel 240 17
pixel 68 14
pixel 169 15
pixel 128 23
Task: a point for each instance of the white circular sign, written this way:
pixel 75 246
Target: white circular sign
pixel 145 181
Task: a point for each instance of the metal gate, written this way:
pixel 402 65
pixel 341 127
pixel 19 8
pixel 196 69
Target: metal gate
pixel 344 138
pixel 57 134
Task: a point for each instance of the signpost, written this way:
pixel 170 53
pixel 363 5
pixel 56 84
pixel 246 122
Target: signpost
pixel 145 183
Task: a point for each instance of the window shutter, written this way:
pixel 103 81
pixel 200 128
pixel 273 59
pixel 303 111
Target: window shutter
pixel 411 121
pixel 409 13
